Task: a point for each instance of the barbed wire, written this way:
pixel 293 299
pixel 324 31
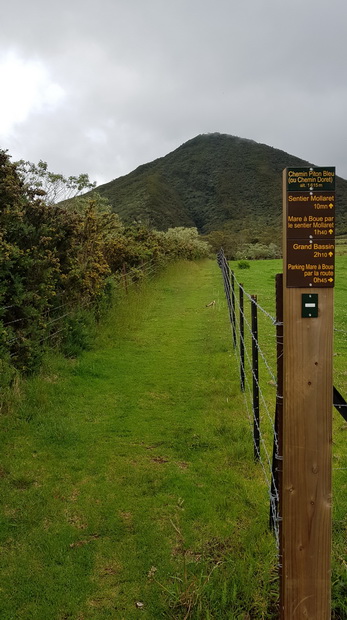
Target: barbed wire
pixel 46 312
pixel 267 463
pixel 269 479
pixel 73 310
pixel 227 284
pixel 232 274
pixel 129 279
pixel 152 268
pixel 54 334
pixel 59 318
pixel 147 270
pixel 24 318
pixel 269 415
pixel 269 369
pixel 265 312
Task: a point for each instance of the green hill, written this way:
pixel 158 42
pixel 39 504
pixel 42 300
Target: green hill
pixel 212 182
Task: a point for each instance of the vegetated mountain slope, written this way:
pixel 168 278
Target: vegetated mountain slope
pixel 211 182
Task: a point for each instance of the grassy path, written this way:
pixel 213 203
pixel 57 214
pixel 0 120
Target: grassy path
pixel 127 478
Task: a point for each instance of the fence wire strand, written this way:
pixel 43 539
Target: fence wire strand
pixel 147 270
pixel 246 369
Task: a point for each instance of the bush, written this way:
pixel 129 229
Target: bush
pixel 7 374
pixel 243 264
pixel 77 335
pixel 58 258
pixel 258 251
pixel 183 242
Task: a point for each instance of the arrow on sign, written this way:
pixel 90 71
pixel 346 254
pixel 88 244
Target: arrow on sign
pixel 330 280
pixel 331 205
pixel 331 254
pixel 331 231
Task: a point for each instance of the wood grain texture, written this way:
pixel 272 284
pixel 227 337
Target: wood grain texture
pixel 307 435
pixel 307 440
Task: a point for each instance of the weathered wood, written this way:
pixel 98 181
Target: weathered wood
pixel 307 439
pixel 279 416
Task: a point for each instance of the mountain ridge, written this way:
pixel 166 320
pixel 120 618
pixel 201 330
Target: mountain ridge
pixel 212 182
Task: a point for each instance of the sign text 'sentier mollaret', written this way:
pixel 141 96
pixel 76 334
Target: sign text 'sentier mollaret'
pixel 310 227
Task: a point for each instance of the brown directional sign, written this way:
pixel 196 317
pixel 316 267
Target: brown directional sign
pixel 310 215
pixel 308 179
pixel 310 227
pixel 310 264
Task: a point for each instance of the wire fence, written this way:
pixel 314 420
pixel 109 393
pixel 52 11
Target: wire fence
pixel 262 356
pixel 252 359
pixel 22 326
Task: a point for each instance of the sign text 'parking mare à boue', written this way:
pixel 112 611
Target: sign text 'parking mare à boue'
pixel 310 227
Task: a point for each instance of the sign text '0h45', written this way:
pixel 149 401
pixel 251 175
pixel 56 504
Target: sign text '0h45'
pixel 310 227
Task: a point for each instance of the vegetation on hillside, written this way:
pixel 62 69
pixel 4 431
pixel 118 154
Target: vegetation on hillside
pixel 224 186
pixel 56 261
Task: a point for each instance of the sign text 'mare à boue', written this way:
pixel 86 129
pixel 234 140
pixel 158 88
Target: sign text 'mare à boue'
pixel 310 227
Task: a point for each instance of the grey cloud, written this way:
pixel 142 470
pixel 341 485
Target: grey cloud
pixel 142 77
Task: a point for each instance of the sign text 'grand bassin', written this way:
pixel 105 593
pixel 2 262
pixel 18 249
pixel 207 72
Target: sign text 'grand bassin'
pixel 310 227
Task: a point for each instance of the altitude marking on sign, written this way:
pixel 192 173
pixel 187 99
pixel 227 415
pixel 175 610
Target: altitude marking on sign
pixel 310 179
pixel 310 227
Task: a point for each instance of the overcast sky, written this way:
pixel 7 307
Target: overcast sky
pixel 102 87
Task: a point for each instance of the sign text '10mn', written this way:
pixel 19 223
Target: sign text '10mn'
pixel 310 227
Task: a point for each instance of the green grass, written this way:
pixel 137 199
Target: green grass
pixel 127 476
pixel 341 245
pixel 259 279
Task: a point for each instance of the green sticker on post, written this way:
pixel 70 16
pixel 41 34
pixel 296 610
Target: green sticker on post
pixel 309 305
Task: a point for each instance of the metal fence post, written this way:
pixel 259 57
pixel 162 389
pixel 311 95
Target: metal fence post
pixel 242 341
pixel 233 307
pixel 255 374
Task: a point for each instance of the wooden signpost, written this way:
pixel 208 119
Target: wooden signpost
pixel 309 272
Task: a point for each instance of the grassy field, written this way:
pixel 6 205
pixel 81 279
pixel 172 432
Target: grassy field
pixel 259 279
pixel 341 245
pixel 127 476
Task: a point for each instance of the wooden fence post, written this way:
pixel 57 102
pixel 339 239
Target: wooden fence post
pixel 307 391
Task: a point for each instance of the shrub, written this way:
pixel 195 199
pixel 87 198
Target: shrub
pixel 257 251
pixel 77 334
pixel 55 259
pixel 183 242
